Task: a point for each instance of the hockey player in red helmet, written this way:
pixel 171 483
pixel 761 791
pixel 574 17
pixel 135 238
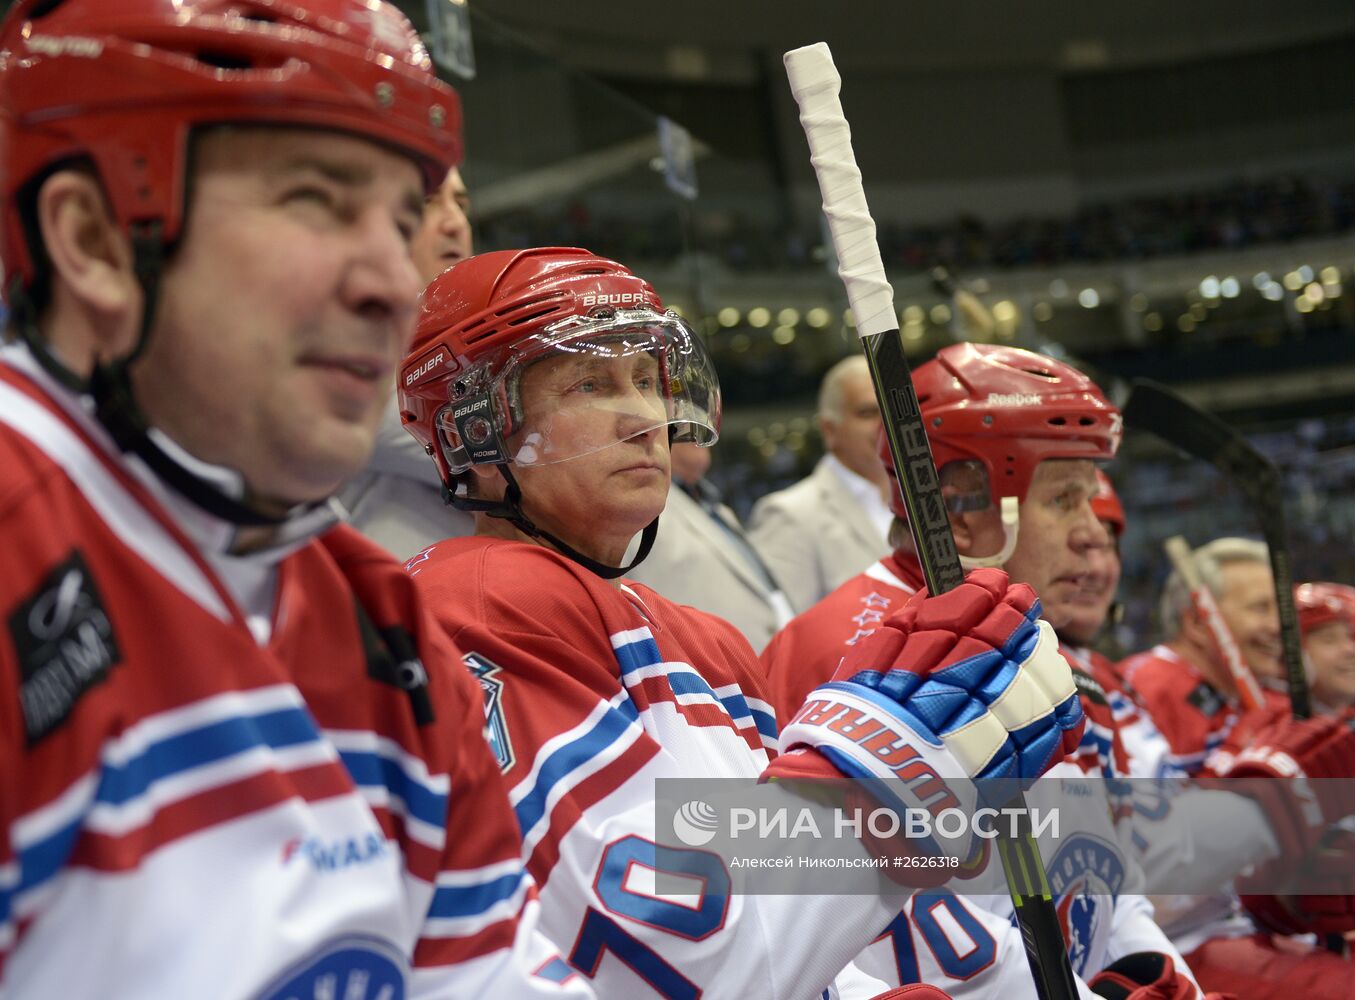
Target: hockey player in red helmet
pixel 1015 436
pixel 235 760
pixel 1327 620
pixel 1091 607
pixel 994 415
pixel 546 385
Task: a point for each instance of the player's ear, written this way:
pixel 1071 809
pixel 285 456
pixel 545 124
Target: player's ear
pixel 90 255
pixel 969 527
pixel 1193 628
pixel 93 276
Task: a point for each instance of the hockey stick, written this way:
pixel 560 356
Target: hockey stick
pixel 971 314
pixel 1156 408
pixel 1178 551
pixel 815 83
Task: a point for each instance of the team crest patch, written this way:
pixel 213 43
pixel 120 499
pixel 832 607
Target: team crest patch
pixel 496 725
pixel 354 968
pixel 1085 875
pixel 65 644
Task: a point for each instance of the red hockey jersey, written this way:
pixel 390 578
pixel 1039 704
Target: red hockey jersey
pixel 593 692
pixel 969 945
pixel 187 812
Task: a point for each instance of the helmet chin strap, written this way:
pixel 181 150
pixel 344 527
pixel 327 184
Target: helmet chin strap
pixel 1010 509
pixel 510 509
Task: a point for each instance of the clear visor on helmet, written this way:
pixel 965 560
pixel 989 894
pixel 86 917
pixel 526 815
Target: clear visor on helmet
pixel 580 386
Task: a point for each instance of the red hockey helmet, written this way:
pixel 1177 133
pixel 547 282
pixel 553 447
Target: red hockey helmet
pixel 488 319
pixel 1011 409
pixel 122 83
pixel 1106 504
pixel 1321 604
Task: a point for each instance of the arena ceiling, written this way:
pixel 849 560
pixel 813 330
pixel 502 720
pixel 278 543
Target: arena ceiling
pixel 610 37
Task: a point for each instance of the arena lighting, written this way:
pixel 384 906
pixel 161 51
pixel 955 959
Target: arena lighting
pixel 915 314
pixel 1005 311
pixel 1209 287
pixel 1152 322
pixel 1058 288
pixel 941 314
pixel 739 342
pixel 728 316
pixel 1042 311
pixel 1260 280
pixel 1273 291
pixel 1303 304
pixel 784 335
pixel 1293 281
pixel 1313 293
pixel 788 316
pixel 848 318
pixel 1185 323
pixel 818 317
pixel 759 316
pixel 1138 302
pixel 1089 298
pixel 912 332
pixel 1331 275
pixel 1305 273
pixel 1229 287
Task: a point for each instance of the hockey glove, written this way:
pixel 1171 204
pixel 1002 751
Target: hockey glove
pixel 913 991
pixel 1306 755
pixel 1331 865
pixel 969 684
pixel 1148 975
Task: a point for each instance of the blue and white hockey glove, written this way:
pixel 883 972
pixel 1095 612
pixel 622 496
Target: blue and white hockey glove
pixel 969 684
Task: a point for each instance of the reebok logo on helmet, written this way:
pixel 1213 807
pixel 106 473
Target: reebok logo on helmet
pixel 1014 399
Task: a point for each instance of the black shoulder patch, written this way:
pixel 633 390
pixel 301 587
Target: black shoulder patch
pixel 1206 699
pixel 392 659
pixel 65 643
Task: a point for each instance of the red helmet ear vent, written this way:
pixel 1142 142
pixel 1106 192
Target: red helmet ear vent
pixel 529 317
pixel 225 60
pixel 1057 421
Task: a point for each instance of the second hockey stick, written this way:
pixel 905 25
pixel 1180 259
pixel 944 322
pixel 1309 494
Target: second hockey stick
pixel 815 83
pixel 1153 407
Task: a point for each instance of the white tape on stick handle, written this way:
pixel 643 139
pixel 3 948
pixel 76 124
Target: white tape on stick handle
pixel 815 83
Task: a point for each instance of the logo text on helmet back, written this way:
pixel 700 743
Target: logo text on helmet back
pixel 424 368
pixel 1014 399
pixel 65 45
